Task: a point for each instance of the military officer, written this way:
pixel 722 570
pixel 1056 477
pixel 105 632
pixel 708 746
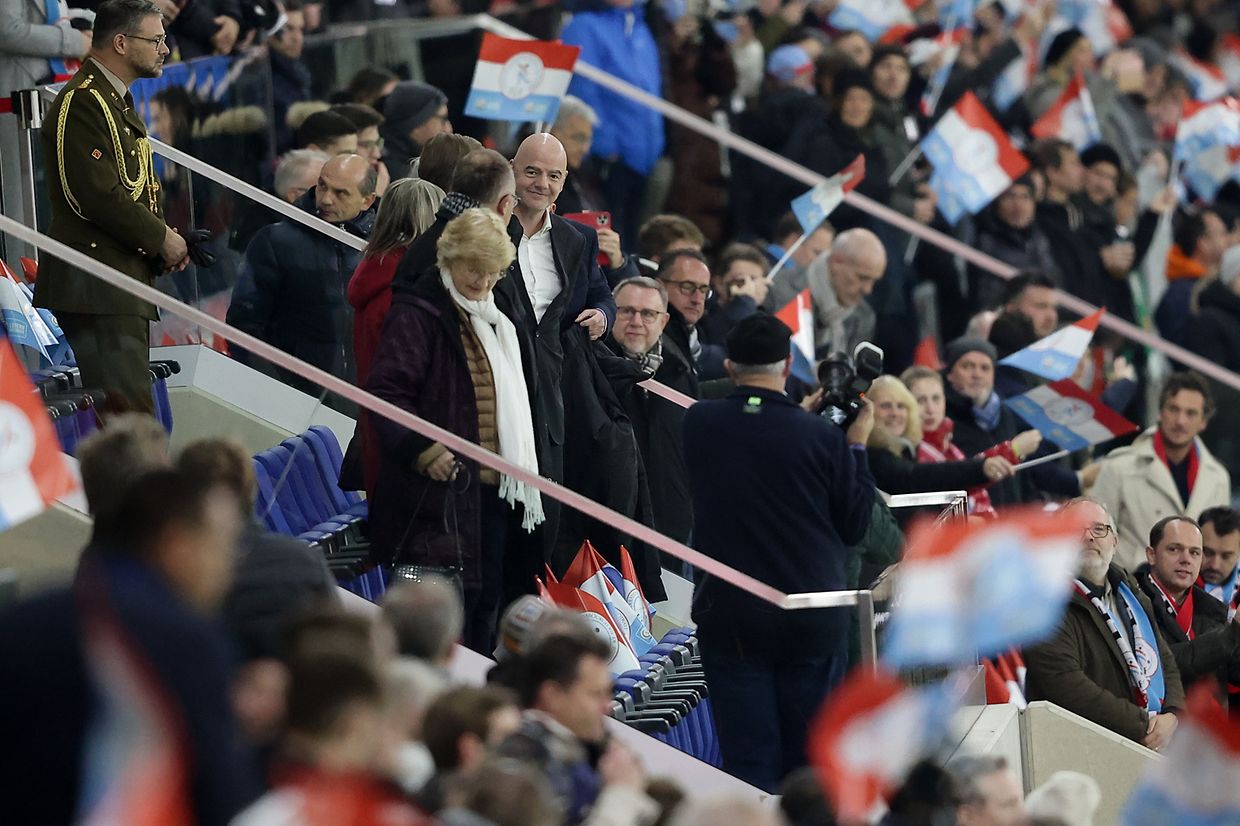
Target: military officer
pixel 106 203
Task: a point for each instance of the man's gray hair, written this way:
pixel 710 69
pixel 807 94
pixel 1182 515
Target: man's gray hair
pixel 968 771
pixel 574 107
pixel 1080 500
pixel 293 167
pixel 427 617
pixel 775 368
pixel 645 282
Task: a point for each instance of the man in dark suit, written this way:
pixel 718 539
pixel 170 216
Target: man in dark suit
pixel 128 645
pixel 778 494
pixel 554 285
pixel 106 203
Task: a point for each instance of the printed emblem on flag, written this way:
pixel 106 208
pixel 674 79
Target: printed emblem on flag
pixel 973 159
pixel 520 80
pixel 1071 418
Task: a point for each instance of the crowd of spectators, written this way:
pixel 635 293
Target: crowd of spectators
pixel 475 304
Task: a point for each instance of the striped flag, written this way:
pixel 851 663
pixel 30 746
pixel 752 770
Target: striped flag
pixel 798 314
pixel 33 471
pixel 622 657
pixel 1056 356
pixel 1198 784
pixel 1071 117
pixel 972 157
pixel 871 17
pixel 1068 416
pixel 870 731
pixel 968 590
pixel 813 207
pixel 520 80
pixel 1206 141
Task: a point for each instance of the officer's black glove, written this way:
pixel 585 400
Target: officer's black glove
pixel 197 241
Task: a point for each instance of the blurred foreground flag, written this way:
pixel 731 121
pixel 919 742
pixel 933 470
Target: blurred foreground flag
pixel 630 586
pixel 1071 117
pixel 1198 784
pixel 814 206
pixel 33 473
pixel 1068 416
pixel 1205 140
pixel 798 314
pixel 973 159
pixel 520 80
pixel 1056 356
pixel 969 590
pixel 870 731
pixel 871 17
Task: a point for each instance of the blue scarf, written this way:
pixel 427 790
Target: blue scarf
pixel 987 415
pixel 1224 591
pixel 1141 656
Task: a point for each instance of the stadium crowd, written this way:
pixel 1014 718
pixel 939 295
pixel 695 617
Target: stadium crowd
pixel 517 287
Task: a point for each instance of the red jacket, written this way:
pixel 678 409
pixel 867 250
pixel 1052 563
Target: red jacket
pixel 370 295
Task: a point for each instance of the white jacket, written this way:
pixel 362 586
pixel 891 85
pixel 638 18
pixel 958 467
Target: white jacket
pixel 1138 489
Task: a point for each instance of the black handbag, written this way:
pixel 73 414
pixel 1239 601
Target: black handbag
pixel 433 547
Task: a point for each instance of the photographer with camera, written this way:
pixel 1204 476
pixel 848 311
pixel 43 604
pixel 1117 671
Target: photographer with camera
pixel 782 503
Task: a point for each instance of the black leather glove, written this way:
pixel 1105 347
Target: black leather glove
pixel 199 252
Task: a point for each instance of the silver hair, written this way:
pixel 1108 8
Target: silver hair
pixel 644 282
pixel 969 770
pixel 1069 796
pixel 426 615
pixel 1080 500
pixel 294 165
pixel 775 368
pixel 574 107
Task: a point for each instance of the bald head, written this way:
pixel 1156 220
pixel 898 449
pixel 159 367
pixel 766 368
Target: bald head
pixel 345 189
pixel 540 167
pixel 858 260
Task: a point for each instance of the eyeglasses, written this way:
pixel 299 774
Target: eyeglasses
pixel 377 143
pixel 158 41
pixel 1098 530
pixel 690 287
pixel 648 316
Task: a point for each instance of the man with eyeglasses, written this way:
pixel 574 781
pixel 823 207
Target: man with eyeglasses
pixel 641 317
pixel 1108 661
pixel 1195 625
pixel 686 277
pixel 105 198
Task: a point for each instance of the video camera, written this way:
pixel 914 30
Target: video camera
pixel 845 379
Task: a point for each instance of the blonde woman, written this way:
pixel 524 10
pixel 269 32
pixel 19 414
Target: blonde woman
pixel 450 356
pixel 892 448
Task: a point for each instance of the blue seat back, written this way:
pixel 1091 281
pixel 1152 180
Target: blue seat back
pixel 321 506
pixel 288 489
pixel 321 440
pixel 266 509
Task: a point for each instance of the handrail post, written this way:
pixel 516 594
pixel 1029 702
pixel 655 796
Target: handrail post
pixel 28 108
pixel 865 626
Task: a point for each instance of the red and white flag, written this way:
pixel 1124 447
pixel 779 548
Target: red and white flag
pixel 798 314
pixel 1068 416
pixel 870 731
pixel 1056 356
pixel 520 80
pixel 33 471
pixel 1072 117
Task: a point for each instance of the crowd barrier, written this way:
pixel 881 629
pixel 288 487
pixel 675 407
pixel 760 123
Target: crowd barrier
pixel 418 30
pixel 455 443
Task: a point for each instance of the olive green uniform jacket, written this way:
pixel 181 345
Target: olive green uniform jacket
pixel 105 197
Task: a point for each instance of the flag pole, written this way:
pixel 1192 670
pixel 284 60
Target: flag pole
pixel 788 253
pixel 905 165
pixel 1041 460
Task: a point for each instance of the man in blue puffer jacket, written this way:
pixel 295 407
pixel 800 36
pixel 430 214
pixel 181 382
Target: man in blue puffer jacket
pixel 629 138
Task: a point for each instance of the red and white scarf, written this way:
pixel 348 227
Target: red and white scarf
pixel 1183 614
pixel 1194 463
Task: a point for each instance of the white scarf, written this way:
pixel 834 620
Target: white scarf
pixel 513 420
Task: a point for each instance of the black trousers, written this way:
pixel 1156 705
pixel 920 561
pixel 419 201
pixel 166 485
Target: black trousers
pixel 113 354
pixel 482 603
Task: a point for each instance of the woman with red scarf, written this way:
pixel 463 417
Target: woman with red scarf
pixel 926 387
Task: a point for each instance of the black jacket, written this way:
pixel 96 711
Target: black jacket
pixel 290 83
pixel 903 474
pixel 1024 487
pixel 291 293
pixel 1076 253
pixel 276 576
pixel 1215 651
pixel 422 253
pixel 46 696
pixel 602 459
pixel 1214 333
pixel 777 494
pixel 657 424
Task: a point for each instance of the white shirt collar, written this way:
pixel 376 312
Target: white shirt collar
pixel 545 228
